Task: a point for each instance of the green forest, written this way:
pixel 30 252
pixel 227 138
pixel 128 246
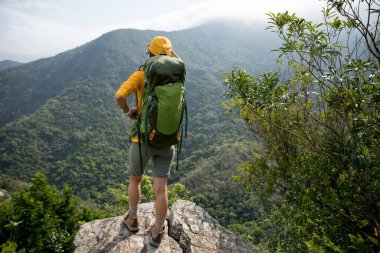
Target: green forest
pixel 283 147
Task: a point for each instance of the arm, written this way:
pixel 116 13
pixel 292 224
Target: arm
pixel 132 112
pixel 133 85
pixel 122 103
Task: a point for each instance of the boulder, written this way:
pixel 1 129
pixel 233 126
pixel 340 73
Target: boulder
pixel 188 229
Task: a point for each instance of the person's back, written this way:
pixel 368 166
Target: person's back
pixel 160 96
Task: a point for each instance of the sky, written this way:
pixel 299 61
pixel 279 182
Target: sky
pixel 34 29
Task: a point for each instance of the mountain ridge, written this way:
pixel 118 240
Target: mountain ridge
pixel 93 51
pixel 7 64
pixel 58 114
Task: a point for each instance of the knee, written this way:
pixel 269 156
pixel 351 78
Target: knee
pixel 135 179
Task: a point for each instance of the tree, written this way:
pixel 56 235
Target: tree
pixel 319 125
pixel 41 218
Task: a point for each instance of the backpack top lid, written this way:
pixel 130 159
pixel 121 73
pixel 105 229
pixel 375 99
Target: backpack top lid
pixel 162 69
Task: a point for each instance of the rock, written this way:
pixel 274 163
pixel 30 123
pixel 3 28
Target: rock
pixel 190 229
pixel 196 231
pixel 111 235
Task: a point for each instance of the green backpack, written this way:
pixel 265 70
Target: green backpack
pixel 163 103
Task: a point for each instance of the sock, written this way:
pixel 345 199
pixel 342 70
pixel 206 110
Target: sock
pixel 159 225
pixel 133 209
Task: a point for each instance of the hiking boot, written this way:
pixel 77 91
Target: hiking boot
pixel 131 222
pixel 155 237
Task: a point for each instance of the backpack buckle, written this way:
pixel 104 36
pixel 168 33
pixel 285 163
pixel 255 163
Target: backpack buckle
pixel 152 134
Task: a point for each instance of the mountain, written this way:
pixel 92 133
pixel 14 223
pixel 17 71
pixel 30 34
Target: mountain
pixel 7 64
pixel 58 115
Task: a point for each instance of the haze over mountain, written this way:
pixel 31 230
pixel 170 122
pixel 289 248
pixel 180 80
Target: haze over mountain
pixel 8 64
pixel 58 114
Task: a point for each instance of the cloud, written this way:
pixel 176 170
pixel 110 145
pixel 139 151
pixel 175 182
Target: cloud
pixel 32 29
pixel 30 4
pixel 243 10
pixel 26 35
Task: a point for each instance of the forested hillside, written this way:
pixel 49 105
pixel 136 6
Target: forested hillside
pixel 304 136
pixel 58 115
pixel 7 64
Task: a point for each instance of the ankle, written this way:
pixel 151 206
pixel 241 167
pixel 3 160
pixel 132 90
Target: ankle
pixel 159 224
pixel 133 210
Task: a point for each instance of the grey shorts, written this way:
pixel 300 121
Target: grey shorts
pixel 161 158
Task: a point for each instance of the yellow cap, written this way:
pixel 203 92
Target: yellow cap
pixel 160 45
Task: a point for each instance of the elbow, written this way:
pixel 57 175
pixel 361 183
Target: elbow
pixel 118 97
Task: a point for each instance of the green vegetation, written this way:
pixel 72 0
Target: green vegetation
pixel 317 171
pixel 72 130
pixel 120 201
pixel 8 64
pixel 311 176
pixel 41 218
pixel 58 116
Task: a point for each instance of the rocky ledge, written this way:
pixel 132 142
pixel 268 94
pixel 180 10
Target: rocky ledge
pixel 188 229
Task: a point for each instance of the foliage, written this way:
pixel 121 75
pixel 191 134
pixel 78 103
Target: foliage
pixel 41 218
pixel 121 201
pixel 120 195
pixel 319 125
pixel 7 64
pixel 10 247
pixel 178 191
pixel 214 189
pixel 11 185
pixel 72 130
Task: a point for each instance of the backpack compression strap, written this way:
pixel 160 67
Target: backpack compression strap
pixel 139 141
pixel 138 132
pixel 179 145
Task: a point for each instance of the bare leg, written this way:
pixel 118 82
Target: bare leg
pixel 161 205
pixel 134 192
